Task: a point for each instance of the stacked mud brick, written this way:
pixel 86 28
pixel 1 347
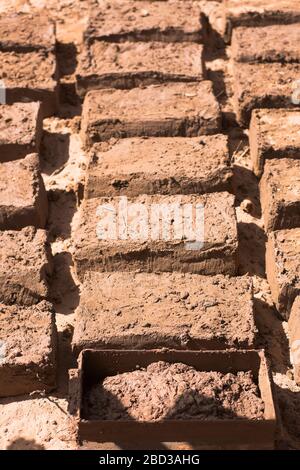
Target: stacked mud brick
pixel 28 70
pixel 153 130
pixel 27 322
pixel 266 65
pixel 275 151
pixel 265 54
pixel 152 127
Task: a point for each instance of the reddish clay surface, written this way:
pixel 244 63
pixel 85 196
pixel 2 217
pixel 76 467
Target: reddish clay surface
pixel 260 12
pixel 280 194
pixel 283 268
pixel 28 349
pixel 218 255
pixel 30 77
pixel 173 165
pixel 179 311
pixel 20 130
pixel 169 110
pixel 128 65
pixel 26 265
pixel 294 337
pixel 274 133
pixel 155 42
pixel 166 391
pixel 23 198
pixel 147 21
pixel 262 86
pixel 275 43
pixel 26 33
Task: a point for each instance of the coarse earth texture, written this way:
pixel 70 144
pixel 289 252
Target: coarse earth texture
pixel 259 13
pixel 167 110
pixel 30 77
pixel 28 349
pixel 23 198
pixel 166 391
pixel 116 21
pixel 21 127
pixel 274 133
pixel 26 266
pixel 141 311
pixel 283 268
pixel 26 33
pixel 275 43
pixel 41 421
pixel 129 65
pixel 280 194
pixel 173 165
pixel 252 90
pixel 214 12
pixel 101 244
pixel 294 337
pixel 70 17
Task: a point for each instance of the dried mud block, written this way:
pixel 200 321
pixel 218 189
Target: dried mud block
pixel 174 165
pixel 262 86
pixel 214 12
pixel 146 234
pixel 30 77
pixel 28 340
pixel 259 13
pixel 25 266
pixel 280 194
pixel 23 198
pixel 21 127
pixel 283 268
pixel 274 133
pixel 169 110
pixel 26 33
pixel 294 338
pixel 131 64
pixel 172 21
pixel 173 310
pixel 275 43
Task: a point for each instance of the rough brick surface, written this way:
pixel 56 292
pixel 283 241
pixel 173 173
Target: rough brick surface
pixel 23 198
pixel 275 43
pixel 180 311
pixel 216 256
pixel 20 130
pixel 30 77
pixel 173 109
pixel 294 338
pixel 280 194
pixel 128 65
pixel 274 133
pixel 25 266
pixel 283 268
pixel 28 349
pixel 262 86
pixel 214 11
pixel 26 33
pixel 260 12
pixel 117 21
pixel 174 165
